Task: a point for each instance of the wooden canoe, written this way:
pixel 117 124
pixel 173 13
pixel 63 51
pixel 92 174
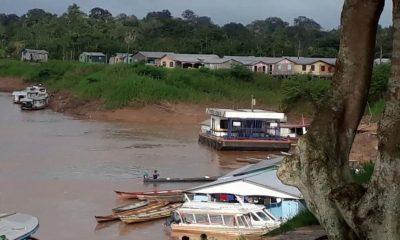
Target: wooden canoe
pixel 133 195
pixel 165 180
pixel 131 206
pixel 172 198
pixel 151 215
pixel 115 216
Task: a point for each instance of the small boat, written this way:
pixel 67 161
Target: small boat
pixel 116 216
pixel 195 179
pixel 18 226
pixel 131 206
pixel 163 212
pixel 34 103
pixel 133 195
pixel 172 198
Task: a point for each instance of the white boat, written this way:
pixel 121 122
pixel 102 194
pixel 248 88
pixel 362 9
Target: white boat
pixel 230 219
pixel 34 103
pixel 29 92
pixel 18 226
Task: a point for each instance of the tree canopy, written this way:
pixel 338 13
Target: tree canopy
pixel 67 35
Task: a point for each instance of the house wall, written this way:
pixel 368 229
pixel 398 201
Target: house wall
pixel 284 67
pixel 92 59
pixel 262 67
pixel 168 62
pixel 138 57
pixel 318 67
pixel 35 57
pixel 285 208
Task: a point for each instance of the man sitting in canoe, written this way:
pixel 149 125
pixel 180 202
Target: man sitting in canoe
pixel 155 174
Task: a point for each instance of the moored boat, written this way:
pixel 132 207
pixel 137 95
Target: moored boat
pixel 131 206
pixel 34 103
pixel 172 198
pixel 116 216
pixel 223 218
pixel 163 212
pixel 133 195
pixel 18 226
pixel 195 179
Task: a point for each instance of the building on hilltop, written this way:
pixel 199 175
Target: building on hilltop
pixel 150 58
pixel 121 58
pixel 92 57
pixel 33 55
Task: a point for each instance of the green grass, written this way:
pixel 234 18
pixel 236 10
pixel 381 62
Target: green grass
pixel 124 85
pixel 304 218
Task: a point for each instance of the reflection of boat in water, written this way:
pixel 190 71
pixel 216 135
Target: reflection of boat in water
pixel 231 219
pixel 18 226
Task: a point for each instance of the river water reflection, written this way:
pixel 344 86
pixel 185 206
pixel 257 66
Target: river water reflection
pixel 64 170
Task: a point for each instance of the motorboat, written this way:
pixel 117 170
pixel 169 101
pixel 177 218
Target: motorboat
pixel 18 226
pixel 29 93
pixel 34 103
pixel 233 219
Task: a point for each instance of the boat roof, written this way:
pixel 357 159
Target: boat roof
pixel 18 225
pixel 245 113
pixel 255 179
pixel 221 208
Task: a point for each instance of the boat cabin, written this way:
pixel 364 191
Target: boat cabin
pixel 244 129
pixel 245 123
pixel 34 103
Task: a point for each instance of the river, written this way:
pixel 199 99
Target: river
pixel 64 170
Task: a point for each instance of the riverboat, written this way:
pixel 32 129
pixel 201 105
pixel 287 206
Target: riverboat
pixel 151 215
pixel 166 180
pixel 244 129
pixel 18 226
pixel 232 219
pixel 131 206
pixel 34 103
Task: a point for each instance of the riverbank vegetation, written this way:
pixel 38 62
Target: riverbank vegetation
pixel 119 86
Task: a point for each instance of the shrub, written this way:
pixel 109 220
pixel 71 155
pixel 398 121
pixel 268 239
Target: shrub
pixel 153 72
pixel 304 218
pixel 240 72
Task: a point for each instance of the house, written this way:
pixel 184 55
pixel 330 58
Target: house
pixel 321 67
pixel 257 64
pixel 222 63
pixel 121 58
pixel 258 184
pixel 92 57
pixel 189 60
pixel 150 58
pixel 33 55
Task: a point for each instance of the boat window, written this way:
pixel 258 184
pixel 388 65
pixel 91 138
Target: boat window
pixel 202 218
pixel 229 220
pixel 254 217
pixel 246 220
pixel 188 218
pixel 268 214
pixel 223 124
pixel 216 219
pixel 240 221
pixel 263 216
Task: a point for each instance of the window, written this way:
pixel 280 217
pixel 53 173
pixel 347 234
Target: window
pixel 164 63
pixel 216 219
pixel 171 64
pixel 322 68
pixel 240 221
pixel 304 67
pixel 229 220
pixel 263 216
pixel 263 68
pixel 254 217
pixel 202 218
pixel 223 124
pixel 279 67
pixel 289 67
pixel 255 68
pixel 188 218
pixel 312 68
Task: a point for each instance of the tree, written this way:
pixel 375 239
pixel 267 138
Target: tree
pixel 189 15
pixel 100 14
pixel 306 23
pixel 319 167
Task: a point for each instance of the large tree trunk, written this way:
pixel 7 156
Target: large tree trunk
pixel 319 167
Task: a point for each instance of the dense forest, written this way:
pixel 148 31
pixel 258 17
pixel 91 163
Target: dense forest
pixel 67 35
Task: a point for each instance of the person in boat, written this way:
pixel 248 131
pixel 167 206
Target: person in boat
pixel 156 174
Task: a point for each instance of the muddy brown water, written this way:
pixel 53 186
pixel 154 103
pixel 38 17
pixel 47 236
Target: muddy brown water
pixel 64 170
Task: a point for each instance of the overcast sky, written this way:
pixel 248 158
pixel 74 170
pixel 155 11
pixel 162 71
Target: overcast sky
pixel 325 12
